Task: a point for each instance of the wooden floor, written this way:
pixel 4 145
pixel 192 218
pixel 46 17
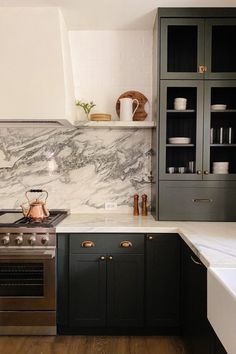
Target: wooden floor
pixel 90 345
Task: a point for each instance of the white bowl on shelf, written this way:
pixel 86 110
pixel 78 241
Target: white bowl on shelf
pixel 219 107
pixel 179 140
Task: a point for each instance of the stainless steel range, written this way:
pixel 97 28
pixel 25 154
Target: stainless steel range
pixel 27 273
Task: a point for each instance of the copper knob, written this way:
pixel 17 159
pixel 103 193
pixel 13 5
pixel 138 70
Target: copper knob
pixel 110 258
pixel 102 258
pixel 150 237
pixel 199 172
pixel 206 172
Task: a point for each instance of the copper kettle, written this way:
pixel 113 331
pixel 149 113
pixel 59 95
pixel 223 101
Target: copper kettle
pixel 36 210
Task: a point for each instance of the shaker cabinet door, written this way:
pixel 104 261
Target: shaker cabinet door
pixel 163 280
pixel 125 290
pixel 87 290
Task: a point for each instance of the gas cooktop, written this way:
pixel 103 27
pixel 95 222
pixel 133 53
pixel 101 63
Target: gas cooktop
pixel 15 218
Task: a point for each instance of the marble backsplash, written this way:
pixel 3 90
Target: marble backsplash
pixel 80 168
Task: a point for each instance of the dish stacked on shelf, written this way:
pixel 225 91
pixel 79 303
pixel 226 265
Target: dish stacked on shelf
pixel 179 140
pixel 221 167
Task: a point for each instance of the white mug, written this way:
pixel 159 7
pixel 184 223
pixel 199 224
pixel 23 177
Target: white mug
pixel 126 108
pixel 180 104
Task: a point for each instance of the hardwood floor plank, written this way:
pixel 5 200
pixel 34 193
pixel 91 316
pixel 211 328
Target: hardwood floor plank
pixel 91 345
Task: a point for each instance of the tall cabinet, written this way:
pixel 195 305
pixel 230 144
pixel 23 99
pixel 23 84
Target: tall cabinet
pixel 196 150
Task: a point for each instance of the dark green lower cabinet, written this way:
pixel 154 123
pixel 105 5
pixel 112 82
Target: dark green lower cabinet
pixel 163 277
pixel 125 290
pixel 87 290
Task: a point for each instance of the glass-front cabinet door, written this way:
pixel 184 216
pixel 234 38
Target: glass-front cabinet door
pixel 181 130
pixel 220 130
pixel 220 48
pixel 182 48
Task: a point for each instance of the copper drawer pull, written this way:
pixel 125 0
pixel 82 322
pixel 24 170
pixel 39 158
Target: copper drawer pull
pixel 202 200
pixel 87 244
pixel 196 262
pixel 126 244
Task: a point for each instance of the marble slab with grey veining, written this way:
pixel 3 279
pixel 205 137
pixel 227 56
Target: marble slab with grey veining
pixel 213 242
pixel 80 168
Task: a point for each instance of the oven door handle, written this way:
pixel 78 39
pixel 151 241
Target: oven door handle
pixel 27 254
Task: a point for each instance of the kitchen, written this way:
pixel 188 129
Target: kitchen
pixel 100 252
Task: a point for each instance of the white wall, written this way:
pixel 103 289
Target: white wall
pixel 108 63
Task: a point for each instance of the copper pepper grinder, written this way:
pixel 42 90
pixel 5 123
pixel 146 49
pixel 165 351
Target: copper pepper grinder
pixel 144 204
pixel 136 210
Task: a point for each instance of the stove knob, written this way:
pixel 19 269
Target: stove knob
pixel 45 240
pixel 5 240
pixel 19 240
pixel 32 240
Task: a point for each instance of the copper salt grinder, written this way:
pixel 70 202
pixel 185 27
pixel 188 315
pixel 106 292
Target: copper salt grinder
pixel 144 204
pixel 136 210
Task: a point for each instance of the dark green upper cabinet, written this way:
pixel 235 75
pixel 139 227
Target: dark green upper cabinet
pixel 198 48
pixel 182 50
pixel 181 123
pixel 219 131
pixel 220 49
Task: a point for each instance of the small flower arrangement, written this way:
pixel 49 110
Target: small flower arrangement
pixel 87 106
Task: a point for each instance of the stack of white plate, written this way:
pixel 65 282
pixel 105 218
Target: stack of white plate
pixel 221 167
pixel 179 140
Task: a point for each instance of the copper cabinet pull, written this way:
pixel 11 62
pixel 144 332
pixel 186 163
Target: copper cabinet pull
pixel 150 237
pixel 102 258
pixel 87 244
pixel 202 200
pixel 202 69
pixel 126 244
pixel 199 172
pixel 110 258
pixel 206 172
pixel 196 262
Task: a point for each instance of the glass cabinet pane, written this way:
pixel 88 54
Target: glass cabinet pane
pixel 223 54
pixel 181 123
pixel 182 48
pixel 220 149
pixel 220 49
pixel 182 44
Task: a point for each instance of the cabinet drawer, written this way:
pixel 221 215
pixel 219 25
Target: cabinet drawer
pixel 107 243
pixel 200 201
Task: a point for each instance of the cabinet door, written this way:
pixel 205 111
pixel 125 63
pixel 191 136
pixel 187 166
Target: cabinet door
pixel 220 49
pixel 87 290
pixel 196 328
pixel 220 131
pixel 125 290
pixel 163 280
pixel 182 48
pixel 186 123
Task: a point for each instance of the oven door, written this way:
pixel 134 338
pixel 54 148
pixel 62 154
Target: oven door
pixel 27 280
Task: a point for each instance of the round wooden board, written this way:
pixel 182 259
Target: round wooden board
pixel 140 114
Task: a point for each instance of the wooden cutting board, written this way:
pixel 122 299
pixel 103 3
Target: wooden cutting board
pixel 140 114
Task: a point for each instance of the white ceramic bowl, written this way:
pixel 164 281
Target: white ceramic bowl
pixel 219 107
pixel 179 140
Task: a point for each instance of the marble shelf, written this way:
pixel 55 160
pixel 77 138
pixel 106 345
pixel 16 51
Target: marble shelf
pixel 115 124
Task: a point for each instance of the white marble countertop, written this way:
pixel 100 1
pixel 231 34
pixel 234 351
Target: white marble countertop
pixel 213 242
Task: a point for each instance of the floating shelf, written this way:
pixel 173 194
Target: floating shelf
pixel 223 145
pixel 115 124
pixel 180 145
pixel 223 111
pixel 179 111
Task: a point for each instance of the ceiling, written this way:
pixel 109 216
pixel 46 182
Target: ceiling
pixel 114 14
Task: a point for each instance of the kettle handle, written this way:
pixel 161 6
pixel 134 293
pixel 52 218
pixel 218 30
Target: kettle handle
pixel 36 191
